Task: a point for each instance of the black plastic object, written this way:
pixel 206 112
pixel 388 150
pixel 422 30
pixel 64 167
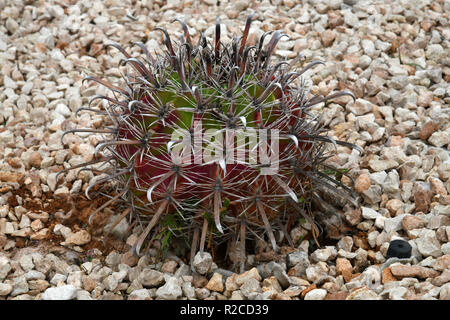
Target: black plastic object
pixel 399 249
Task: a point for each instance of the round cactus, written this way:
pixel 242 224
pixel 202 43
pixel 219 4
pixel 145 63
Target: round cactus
pixel 214 142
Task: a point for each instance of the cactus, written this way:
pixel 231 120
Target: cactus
pixel 216 88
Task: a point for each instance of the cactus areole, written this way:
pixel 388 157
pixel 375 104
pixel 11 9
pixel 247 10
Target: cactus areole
pixel 217 138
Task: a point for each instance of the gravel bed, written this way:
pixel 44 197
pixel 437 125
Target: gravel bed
pixel 394 56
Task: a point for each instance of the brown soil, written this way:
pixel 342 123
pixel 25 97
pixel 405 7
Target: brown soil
pixel 81 210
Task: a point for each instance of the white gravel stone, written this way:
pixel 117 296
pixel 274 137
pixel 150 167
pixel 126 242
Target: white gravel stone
pixel 171 290
pixel 34 275
pixel 440 138
pixel 326 254
pixel 369 213
pixel 296 257
pixel 5 289
pixel 141 294
pixel 345 243
pixel 393 224
pixel 83 295
pixel 188 290
pixel 428 244
pixel 57 278
pixel 67 292
pixel 445 248
pixel 351 19
pixel 202 262
pixel 151 278
pixel 316 294
pixel 20 286
pixel 444 293
pixel 26 262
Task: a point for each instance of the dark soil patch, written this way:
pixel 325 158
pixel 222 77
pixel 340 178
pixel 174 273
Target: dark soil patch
pixel 72 212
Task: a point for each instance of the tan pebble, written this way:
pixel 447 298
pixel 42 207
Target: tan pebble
pixel 410 222
pixel 396 141
pixel 437 186
pixel 89 284
pixel 215 283
pixel 39 235
pixel 394 205
pixel 37 225
pixel 387 276
pixel 327 38
pixel 78 238
pixel 35 159
pixel 442 263
pixel 362 183
pixel 403 271
pixel 340 295
pixel 427 130
pixel 252 273
pixel 344 268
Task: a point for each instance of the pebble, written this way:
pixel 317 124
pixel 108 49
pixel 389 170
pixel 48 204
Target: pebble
pixel 442 263
pixel 66 292
pixel 38 285
pixel 437 186
pixel 344 268
pixel 345 243
pixel 413 271
pixel 378 165
pixel 215 283
pixel 202 262
pixel 169 266
pixel 428 244
pixel 83 295
pixel 369 213
pixel 151 278
pixel 362 183
pixel 317 273
pixel 141 294
pixel 296 257
pixel 89 284
pixel 250 286
pixel 80 238
pixel 410 222
pixel 351 19
pixel 442 279
pixel 34 275
pixel 329 253
pixel 202 293
pixel 363 294
pixel 111 282
pixel 440 138
pixel 327 38
pixel 5 289
pixel 11 25
pixel 188 290
pixel 26 262
pixel 242 278
pixel 113 259
pixel 57 278
pixel 316 294
pixel 171 290
pixel 275 269
pixel 444 293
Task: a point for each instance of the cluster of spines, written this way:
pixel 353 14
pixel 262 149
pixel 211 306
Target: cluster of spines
pixel 222 87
